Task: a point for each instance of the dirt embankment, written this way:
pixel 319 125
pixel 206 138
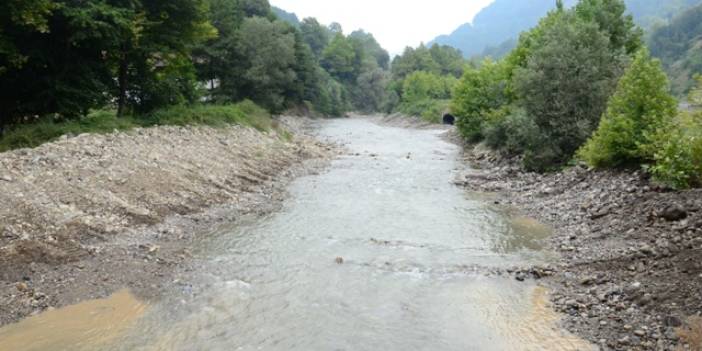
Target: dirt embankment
pixel 630 272
pixel 85 216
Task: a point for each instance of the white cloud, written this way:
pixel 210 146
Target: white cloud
pixel 394 23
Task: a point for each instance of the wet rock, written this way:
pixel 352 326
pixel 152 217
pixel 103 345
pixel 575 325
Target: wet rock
pixel 674 213
pixel 672 321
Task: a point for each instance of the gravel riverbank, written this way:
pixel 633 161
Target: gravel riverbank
pixel 630 270
pixel 85 216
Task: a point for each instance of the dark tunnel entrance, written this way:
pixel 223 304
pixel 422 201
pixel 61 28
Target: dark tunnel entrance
pixel 449 119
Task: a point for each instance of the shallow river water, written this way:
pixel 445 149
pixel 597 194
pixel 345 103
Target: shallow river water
pixel 415 250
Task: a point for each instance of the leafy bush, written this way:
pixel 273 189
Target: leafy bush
pixel 678 162
pixel 640 106
pixel 479 93
pixel 515 133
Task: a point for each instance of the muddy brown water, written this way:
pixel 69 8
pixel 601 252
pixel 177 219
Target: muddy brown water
pixel 415 252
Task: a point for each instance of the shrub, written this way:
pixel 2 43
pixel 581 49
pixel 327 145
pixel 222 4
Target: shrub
pixel 478 95
pixel 514 133
pixel 639 107
pixel 678 162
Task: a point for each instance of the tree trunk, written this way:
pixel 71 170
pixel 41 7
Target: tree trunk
pixel 122 83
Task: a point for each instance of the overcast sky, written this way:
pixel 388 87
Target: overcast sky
pixel 395 23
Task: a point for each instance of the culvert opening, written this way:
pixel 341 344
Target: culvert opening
pixel 449 119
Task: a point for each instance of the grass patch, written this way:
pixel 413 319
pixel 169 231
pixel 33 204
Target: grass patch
pixel 47 129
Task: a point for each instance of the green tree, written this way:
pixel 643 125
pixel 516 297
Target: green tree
pixel 269 49
pixel 371 48
pixel 449 60
pixel 639 108
pixel 413 60
pixel 571 72
pixel 58 64
pixel 480 94
pixel 17 16
pixel 156 48
pixel 339 59
pixel 315 35
pixel 611 17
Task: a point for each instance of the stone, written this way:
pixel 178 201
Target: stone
pixel 674 213
pixel 672 321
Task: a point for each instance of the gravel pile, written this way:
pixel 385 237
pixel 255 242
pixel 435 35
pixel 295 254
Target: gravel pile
pixel 87 215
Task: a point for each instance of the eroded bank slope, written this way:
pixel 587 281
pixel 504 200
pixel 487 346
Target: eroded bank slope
pixel 84 216
pixel 630 272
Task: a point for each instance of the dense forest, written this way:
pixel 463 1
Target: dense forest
pixel 582 86
pixel 63 59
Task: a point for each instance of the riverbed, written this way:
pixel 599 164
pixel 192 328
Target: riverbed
pixel 379 251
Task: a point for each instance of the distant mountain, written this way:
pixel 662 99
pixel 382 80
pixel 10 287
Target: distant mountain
pixel 497 23
pixel 286 16
pixel 495 29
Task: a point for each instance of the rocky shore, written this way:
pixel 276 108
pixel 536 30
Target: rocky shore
pixel 88 215
pixel 629 275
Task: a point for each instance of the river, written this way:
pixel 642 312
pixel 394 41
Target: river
pixel 378 252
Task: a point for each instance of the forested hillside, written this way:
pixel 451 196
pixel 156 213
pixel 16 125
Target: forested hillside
pixel 494 30
pixel 61 60
pixel 679 45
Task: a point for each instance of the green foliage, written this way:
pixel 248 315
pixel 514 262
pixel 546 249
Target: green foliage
pixel 16 16
pixel 426 95
pixel 515 133
pixel 103 121
pixel 611 19
pixel 315 35
pixel 269 52
pixel 339 57
pixel 480 96
pixel 244 113
pixel 679 157
pixel 50 128
pixel 571 72
pixel 422 81
pixel 370 90
pixel 640 107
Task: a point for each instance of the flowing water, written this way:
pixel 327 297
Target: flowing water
pixel 379 252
